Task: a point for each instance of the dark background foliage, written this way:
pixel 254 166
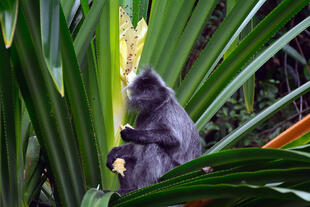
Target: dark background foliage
pixel 276 78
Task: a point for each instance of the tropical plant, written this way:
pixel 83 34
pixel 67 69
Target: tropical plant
pixel 60 63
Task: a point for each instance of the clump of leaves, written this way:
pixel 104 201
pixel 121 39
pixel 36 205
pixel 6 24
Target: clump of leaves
pixel 234 113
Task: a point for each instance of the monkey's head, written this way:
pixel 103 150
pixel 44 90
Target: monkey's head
pixel 148 91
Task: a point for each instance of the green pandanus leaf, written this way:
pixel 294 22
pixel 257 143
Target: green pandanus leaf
pixel 230 67
pixel 32 157
pixel 96 198
pixel 8 16
pixel 139 11
pixel 50 41
pixel 248 71
pixel 249 93
pixel 109 79
pixel 249 86
pixel 10 137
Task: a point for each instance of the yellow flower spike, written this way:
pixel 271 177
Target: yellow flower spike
pixel 123 58
pixel 131 45
pixel 140 38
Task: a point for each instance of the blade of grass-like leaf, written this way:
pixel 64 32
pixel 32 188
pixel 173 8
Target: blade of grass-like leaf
pixel 32 157
pixel 85 7
pixel 97 198
pixel 79 107
pixel 197 192
pixel 1 153
pixel 260 177
pixel 162 56
pixel 95 105
pixel 236 157
pixel 63 124
pixel 33 185
pixel 33 172
pixel 303 148
pixel 139 11
pixel 25 127
pixel 49 10
pixel 170 20
pixel 75 14
pixel 67 6
pixel 105 86
pixel 248 87
pixel 249 93
pixel 158 11
pixel 248 71
pixel 86 32
pixel 177 58
pixel 294 54
pixel 222 39
pixel 46 195
pixel 10 138
pixel 273 202
pixel 302 140
pixel 230 4
pixel 173 181
pixel 53 130
pixel 238 58
pixel 91 81
pixel 8 17
pixel 241 131
pixel 232 176
pixel 4 196
pixel 117 99
pixel 50 141
pixel 171 31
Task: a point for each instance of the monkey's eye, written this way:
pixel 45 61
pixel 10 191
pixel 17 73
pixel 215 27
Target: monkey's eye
pixel 148 87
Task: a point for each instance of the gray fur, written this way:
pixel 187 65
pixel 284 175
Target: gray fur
pixel 164 136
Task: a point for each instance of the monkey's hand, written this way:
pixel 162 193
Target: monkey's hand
pixel 126 125
pixel 113 154
pixel 128 134
pixel 124 152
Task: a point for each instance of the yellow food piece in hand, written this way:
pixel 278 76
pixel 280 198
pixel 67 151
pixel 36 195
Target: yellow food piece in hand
pixel 126 125
pixel 119 166
pixel 131 45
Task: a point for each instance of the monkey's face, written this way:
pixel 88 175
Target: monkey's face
pixel 147 91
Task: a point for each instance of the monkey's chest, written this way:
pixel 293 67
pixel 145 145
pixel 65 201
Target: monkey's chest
pixel 138 149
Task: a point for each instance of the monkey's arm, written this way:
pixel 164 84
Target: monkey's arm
pixel 159 135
